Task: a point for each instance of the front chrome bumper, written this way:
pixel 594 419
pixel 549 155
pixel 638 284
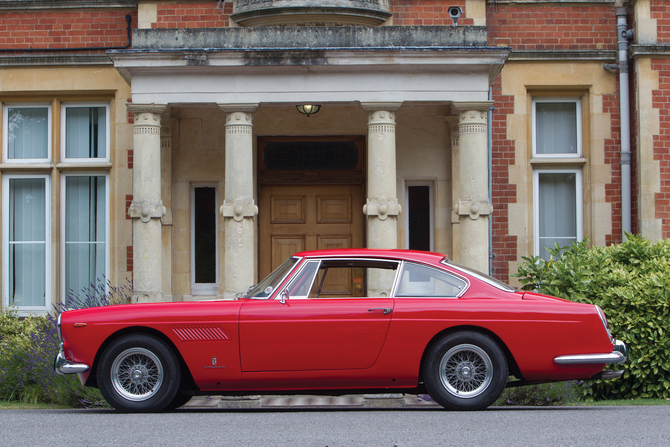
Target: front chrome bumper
pixel 618 355
pixel 63 366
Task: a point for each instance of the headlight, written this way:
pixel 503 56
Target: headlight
pixel 60 336
pixel 603 318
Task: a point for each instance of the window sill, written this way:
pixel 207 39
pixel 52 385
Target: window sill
pixel 558 161
pixel 32 167
pixel 96 165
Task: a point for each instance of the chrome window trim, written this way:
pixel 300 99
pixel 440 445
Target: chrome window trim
pixel 501 286
pixel 297 274
pixel 448 272
pixel 354 259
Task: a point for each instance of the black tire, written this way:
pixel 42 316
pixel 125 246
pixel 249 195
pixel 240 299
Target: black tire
pixel 138 374
pixel 179 400
pixel 465 371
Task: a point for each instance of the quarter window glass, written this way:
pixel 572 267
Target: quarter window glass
pixel 27 242
pixel 302 284
pixel 85 233
pixel 27 132
pixel 421 281
pixel 85 132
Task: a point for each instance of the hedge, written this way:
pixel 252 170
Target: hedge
pixel 631 283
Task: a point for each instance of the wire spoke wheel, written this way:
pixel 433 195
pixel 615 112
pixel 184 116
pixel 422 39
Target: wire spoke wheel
pixel 466 371
pixel 137 374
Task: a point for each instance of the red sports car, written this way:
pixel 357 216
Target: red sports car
pixel 341 322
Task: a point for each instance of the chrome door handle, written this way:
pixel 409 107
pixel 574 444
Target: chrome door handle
pixel 385 310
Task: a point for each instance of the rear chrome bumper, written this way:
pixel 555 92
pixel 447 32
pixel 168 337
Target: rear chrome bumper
pixel 63 366
pixel 618 355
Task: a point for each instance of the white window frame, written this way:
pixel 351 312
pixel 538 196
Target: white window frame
pixel 431 188
pixel 26 310
pixel 204 288
pixel 5 133
pixel 63 211
pixel 578 102
pixel 579 201
pixel 63 130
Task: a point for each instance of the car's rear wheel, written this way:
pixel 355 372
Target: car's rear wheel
pixel 465 371
pixel 138 373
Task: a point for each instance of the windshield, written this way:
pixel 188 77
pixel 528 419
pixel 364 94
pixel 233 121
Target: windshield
pixel 484 277
pixel 265 288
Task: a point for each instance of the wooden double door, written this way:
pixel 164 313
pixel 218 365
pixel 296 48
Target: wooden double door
pixel 295 218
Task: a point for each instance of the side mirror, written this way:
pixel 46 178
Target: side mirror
pixel 283 296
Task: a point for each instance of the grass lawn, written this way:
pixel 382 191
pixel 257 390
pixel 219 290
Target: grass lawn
pixel 621 402
pixel 7 405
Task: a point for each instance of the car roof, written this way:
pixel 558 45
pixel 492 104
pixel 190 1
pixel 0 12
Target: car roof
pixel 410 255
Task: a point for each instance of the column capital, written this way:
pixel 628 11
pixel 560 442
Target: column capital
pixel 242 107
pixel 136 109
pixel 375 106
pixel 479 106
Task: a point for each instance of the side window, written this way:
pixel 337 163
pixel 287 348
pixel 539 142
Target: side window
pixel 421 281
pixel 344 279
pixel 27 136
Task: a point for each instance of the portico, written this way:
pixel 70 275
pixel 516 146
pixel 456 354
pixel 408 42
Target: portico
pixel 228 87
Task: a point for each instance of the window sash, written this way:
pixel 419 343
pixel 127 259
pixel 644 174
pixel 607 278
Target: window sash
pixel 27 133
pixel 85 135
pixel 85 233
pixel 557 127
pixel 26 242
pixel 557 209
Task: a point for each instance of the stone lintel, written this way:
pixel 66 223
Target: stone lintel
pixel 375 106
pixel 480 106
pixel 136 109
pixel 242 107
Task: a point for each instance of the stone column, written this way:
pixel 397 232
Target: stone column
pixel 381 208
pixel 474 205
pixel 167 125
pixel 238 207
pixel 147 208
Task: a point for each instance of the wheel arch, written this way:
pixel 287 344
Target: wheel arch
pixel 187 378
pixel 511 362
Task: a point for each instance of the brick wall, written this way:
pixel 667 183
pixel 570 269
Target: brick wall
pixel 554 27
pixel 660 10
pixel 425 12
pixel 504 244
pixel 65 29
pixel 193 15
pixel 661 101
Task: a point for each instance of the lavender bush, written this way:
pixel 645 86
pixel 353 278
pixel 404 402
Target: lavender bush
pixel 28 347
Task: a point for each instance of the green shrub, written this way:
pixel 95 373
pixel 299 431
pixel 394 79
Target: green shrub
pixel 542 395
pixel 631 283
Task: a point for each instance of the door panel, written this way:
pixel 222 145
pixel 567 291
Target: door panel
pixel 312 334
pixel 294 218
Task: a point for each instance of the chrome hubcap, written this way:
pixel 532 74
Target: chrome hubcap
pixel 137 374
pixel 466 371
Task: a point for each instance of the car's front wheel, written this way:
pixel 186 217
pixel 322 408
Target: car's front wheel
pixel 138 373
pixel 465 371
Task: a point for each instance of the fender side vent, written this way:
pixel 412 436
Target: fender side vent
pixel 203 333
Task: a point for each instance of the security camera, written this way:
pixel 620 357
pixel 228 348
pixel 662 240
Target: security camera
pixel 455 13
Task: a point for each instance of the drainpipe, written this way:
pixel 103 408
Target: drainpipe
pixel 625 35
pixel 489 131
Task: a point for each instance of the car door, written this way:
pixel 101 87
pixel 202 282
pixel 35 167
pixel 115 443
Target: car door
pixel 326 320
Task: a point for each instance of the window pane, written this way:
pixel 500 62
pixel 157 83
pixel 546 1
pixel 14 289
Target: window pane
pixel 421 281
pixel 28 132
pixel 27 244
pixel 85 232
pixel 557 210
pixel 85 132
pixel 205 235
pixel 419 217
pixel 556 131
